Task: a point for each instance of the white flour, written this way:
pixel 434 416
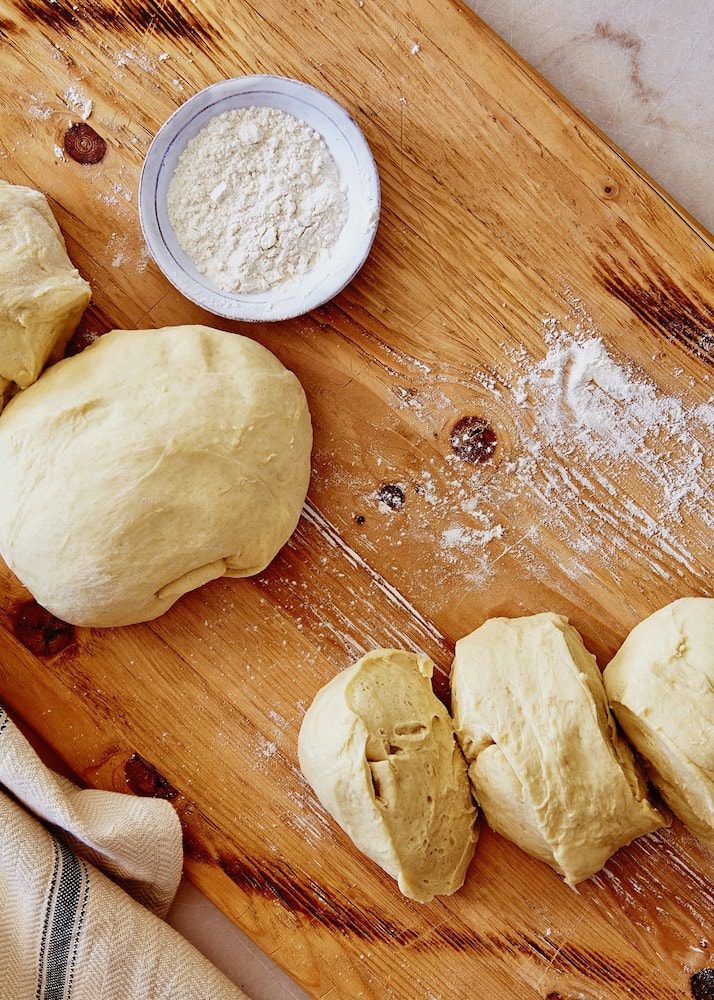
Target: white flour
pixel 256 199
pixel 78 103
pixel 37 109
pixel 595 463
pixel 587 402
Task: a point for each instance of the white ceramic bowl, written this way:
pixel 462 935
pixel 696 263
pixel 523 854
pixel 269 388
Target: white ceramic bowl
pixel 354 160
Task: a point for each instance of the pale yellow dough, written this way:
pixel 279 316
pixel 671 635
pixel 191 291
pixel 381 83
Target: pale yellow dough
pixel 42 296
pixel 548 767
pixel 378 748
pixel 661 688
pixel 153 462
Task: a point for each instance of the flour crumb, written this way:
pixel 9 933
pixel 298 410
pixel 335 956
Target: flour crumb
pixel 59 152
pixel 118 247
pixel 37 109
pixel 121 192
pixel 464 537
pixel 277 718
pixel 415 49
pixel 144 259
pixel 82 106
pixel 163 57
pixel 139 56
pixel 266 748
pixel 256 199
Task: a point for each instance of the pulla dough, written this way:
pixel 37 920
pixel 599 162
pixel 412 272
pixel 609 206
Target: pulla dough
pixel 42 295
pixel 378 748
pixel 549 769
pixel 147 465
pixel 661 688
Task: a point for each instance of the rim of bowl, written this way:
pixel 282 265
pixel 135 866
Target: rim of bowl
pixel 304 294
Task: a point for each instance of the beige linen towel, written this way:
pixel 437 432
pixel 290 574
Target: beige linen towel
pixel 67 932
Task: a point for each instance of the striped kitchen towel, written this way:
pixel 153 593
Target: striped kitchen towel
pixel 70 931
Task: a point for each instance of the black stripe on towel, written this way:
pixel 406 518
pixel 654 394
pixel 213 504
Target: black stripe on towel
pixel 64 921
pixel 49 905
pixel 78 932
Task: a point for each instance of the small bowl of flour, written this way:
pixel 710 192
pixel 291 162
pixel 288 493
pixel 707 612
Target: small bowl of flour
pixel 259 198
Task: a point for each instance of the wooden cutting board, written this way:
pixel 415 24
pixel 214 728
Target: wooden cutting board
pixel 502 207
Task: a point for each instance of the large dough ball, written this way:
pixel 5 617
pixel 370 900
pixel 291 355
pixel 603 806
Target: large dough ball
pixel 661 688
pixel 378 748
pixel 42 296
pixel 549 769
pixel 153 462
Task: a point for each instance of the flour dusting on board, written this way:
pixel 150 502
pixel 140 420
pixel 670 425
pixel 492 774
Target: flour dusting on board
pixel 591 454
pixel 601 425
pixel 587 402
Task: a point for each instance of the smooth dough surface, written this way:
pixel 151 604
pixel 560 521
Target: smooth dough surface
pixel 153 462
pixel 661 688
pixel 378 748
pixel 548 767
pixel 42 295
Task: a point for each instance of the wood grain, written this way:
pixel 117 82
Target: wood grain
pixel 501 206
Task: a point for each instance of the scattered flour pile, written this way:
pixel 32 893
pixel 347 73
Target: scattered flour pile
pixel 586 404
pixel 591 453
pixel 78 103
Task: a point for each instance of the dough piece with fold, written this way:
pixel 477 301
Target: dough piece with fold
pixel 661 688
pixel 151 463
pixel 378 748
pixel 42 295
pixel 549 769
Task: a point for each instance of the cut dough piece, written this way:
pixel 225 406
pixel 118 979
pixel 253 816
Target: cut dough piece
pixel 661 688
pixel 153 462
pixel 378 748
pixel 42 295
pixel 548 767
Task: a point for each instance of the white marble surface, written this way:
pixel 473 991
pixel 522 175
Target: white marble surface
pixel 643 71
pixel 228 948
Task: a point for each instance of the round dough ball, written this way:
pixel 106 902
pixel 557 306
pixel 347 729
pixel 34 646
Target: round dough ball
pixel 42 296
pixel 378 748
pixel 153 462
pixel 661 688
pixel 548 767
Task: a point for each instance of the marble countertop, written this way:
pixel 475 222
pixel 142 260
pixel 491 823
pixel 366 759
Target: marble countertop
pixel 644 73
